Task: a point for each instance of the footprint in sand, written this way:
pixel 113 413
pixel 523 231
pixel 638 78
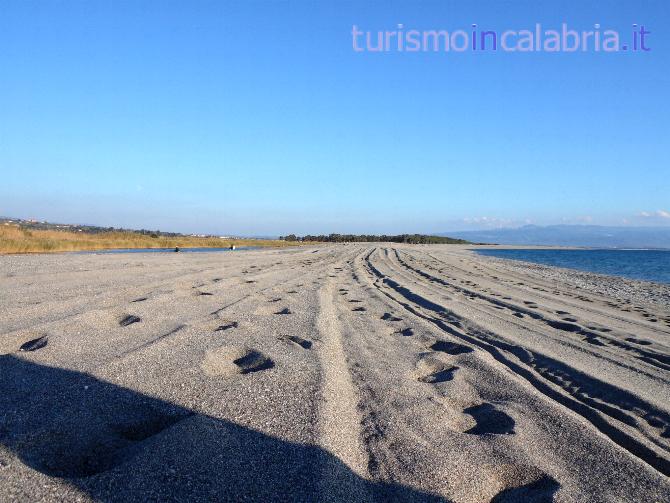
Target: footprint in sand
pixel 83 452
pixel 599 329
pixel 565 326
pixel 303 343
pixel 390 317
pixel 141 299
pixel 490 421
pixel 129 319
pixel 35 344
pixel 451 348
pixel 541 490
pixel 432 370
pixel 286 310
pixel 226 326
pixel 230 360
pixel 359 309
pixel 405 332
pixel 592 339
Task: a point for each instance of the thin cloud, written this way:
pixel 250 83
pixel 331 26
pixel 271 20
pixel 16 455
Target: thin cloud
pixel 654 214
pixel 488 221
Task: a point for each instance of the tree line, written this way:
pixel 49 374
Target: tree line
pixel 371 238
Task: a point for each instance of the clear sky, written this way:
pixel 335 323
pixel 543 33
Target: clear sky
pixel 259 118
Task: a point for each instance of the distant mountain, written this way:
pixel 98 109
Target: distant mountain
pixel 572 235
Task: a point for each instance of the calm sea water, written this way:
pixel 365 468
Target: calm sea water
pixel 649 265
pixel 169 250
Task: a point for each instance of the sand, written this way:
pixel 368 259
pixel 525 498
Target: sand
pixel 338 373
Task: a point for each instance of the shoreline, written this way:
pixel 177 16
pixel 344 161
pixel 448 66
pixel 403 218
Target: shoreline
pixel 620 287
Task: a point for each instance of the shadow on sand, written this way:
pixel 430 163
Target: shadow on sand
pixel 119 445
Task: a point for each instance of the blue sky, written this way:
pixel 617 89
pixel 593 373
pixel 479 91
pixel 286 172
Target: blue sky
pixel 258 118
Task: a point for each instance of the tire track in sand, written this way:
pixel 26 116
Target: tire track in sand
pixel 543 373
pixel 339 420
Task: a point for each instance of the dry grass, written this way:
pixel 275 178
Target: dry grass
pixel 14 239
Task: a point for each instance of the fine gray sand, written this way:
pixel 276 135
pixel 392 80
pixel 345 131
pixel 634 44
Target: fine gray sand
pixel 338 373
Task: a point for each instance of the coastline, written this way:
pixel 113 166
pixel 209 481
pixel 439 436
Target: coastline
pixel 618 287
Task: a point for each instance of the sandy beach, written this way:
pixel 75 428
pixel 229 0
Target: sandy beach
pixel 337 373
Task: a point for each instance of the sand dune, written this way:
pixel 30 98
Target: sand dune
pixel 338 373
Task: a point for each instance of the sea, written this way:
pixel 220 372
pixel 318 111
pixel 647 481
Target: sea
pixel 647 265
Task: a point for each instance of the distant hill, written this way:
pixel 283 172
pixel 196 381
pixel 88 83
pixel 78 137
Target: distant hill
pixel 374 238
pixel 573 235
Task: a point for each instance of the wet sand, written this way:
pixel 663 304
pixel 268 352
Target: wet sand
pixel 339 373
